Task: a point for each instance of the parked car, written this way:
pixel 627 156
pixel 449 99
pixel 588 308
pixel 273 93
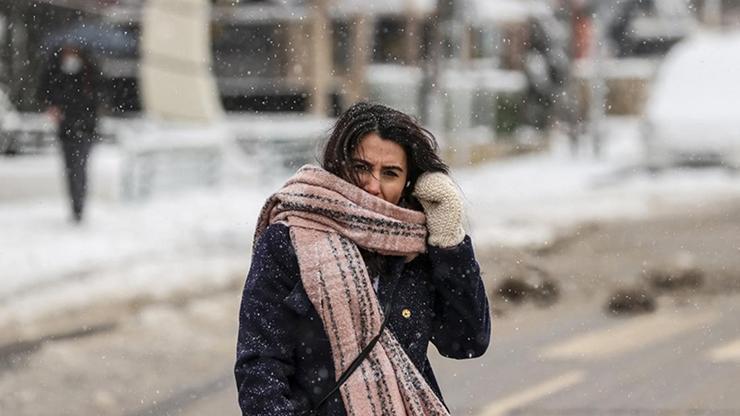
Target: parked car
pixel 692 114
pixel 649 27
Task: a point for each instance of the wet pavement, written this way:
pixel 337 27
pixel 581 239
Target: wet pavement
pixel 174 356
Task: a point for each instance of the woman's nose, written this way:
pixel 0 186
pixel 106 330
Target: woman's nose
pixel 372 185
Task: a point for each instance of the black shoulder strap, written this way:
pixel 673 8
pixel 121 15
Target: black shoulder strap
pixel 360 357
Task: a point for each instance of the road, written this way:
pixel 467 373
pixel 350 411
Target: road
pixel 571 358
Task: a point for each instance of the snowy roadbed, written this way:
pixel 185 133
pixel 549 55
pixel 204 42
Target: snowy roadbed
pixel 200 240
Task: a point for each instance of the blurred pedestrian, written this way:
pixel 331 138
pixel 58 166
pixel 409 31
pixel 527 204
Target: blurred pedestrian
pixel 546 66
pixel 358 265
pixel 70 88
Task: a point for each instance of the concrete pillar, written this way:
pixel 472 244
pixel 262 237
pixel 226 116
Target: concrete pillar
pixel 321 71
pixel 361 44
pixel 177 83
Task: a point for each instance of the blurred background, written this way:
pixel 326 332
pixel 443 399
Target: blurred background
pixel 597 144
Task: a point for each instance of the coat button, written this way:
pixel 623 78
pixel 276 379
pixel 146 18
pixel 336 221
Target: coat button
pixel 406 313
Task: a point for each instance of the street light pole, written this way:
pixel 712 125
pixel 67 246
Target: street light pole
pixel 19 59
pixel 431 106
pixel 597 99
pixel 447 50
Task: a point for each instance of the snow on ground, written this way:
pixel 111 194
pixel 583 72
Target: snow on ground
pixel 201 239
pixel 532 199
pixel 124 250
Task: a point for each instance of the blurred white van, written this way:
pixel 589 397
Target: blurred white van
pixel 692 115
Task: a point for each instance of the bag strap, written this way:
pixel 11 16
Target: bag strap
pixel 360 357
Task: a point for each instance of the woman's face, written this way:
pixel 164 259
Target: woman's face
pixel 381 167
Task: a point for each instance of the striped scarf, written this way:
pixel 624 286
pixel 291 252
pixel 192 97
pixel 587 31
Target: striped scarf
pixel 328 219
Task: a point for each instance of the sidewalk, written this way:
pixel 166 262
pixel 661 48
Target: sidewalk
pixel 124 251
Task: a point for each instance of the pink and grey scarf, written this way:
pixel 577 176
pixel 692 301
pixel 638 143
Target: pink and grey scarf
pixel 328 219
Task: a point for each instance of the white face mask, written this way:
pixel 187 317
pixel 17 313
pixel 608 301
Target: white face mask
pixel 71 64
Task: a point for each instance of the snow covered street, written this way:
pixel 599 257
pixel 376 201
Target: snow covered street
pixel 595 146
pixel 173 354
pixel 196 240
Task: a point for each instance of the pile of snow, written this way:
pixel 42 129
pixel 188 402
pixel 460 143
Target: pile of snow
pixel 506 11
pixel 533 200
pixel 643 68
pixel 385 7
pixel 492 80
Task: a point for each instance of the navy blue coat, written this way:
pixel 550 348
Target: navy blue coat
pixel 283 362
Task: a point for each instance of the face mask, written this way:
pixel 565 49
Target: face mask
pixel 71 64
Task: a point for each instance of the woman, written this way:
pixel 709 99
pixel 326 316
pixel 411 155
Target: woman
pixel 375 233
pixel 70 87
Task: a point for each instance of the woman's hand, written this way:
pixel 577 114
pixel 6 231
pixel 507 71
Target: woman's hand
pixel 443 207
pixel 55 114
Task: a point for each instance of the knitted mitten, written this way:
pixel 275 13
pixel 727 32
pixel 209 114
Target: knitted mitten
pixel 443 207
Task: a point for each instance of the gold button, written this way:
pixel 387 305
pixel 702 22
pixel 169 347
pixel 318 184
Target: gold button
pixel 406 313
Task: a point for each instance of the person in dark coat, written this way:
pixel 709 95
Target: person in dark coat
pixel 369 243
pixel 70 88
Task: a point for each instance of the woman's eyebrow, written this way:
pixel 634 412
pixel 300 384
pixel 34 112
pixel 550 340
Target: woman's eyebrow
pixel 365 162
pixel 394 167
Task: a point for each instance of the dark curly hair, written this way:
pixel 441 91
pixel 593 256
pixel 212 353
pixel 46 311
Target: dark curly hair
pixel 364 118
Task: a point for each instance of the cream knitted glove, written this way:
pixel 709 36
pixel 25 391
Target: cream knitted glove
pixel 443 207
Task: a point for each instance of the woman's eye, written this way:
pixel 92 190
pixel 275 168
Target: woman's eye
pixel 360 167
pixel 390 173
